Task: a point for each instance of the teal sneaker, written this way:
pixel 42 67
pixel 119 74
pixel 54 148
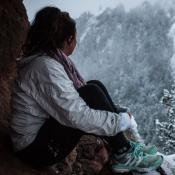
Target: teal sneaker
pixel 136 160
pixel 150 149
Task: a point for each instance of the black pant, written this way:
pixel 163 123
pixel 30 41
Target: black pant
pixel 55 141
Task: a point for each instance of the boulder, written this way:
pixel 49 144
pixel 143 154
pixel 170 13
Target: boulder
pixel 14 25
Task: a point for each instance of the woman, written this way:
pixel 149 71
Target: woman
pixel 52 106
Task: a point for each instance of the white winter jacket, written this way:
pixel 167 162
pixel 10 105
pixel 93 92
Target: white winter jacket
pixel 43 89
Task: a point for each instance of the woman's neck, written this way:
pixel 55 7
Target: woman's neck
pixel 65 52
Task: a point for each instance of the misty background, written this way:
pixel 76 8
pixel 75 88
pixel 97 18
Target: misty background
pixel 130 48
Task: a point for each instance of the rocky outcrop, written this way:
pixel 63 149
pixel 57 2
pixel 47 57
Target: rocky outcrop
pixel 13 28
pixel 14 24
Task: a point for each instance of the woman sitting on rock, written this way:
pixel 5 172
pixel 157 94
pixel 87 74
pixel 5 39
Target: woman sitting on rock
pixel 53 106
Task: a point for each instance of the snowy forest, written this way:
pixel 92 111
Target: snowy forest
pixel 132 53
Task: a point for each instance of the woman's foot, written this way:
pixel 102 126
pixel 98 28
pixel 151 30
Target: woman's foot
pixel 136 160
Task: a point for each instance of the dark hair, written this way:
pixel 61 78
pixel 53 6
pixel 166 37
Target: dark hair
pixel 50 28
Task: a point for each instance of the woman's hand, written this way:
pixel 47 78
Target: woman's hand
pixel 124 121
pixel 133 123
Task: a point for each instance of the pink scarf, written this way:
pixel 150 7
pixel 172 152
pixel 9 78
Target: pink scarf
pixel 70 69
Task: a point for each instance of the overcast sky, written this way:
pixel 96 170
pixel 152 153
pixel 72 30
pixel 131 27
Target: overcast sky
pixel 77 7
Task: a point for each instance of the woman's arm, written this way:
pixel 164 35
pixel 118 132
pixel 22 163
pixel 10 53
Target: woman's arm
pixel 55 93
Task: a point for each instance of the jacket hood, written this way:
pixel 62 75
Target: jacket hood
pixel 26 60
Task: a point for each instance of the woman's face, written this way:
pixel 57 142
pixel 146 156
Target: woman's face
pixel 69 45
pixel 73 44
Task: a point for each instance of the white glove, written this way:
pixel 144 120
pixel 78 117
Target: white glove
pixel 134 131
pixel 124 122
pixel 133 123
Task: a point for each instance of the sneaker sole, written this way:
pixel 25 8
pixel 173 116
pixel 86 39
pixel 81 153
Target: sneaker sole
pixel 140 170
pixel 121 171
pixel 146 170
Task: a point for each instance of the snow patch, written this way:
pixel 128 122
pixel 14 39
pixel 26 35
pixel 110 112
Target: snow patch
pixel 168 167
pixel 89 24
pixel 171 34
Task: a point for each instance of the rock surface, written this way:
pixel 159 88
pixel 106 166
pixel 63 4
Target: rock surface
pixel 14 25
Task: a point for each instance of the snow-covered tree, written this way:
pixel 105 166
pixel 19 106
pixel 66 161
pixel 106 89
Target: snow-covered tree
pixel 166 130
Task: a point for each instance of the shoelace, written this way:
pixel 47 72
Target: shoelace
pixel 137 149
pixel 137 154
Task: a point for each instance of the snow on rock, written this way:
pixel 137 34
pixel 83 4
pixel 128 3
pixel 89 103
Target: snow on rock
pixel 150 173
pixel 168 167
pixel 169 164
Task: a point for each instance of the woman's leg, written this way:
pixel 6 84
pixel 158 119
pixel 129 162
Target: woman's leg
pixel 105 91
pixel 130 157
pixel 52 144
pixel 96 98
pixel 117 109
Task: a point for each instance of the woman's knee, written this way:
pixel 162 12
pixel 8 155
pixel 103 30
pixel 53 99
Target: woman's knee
pixel 98 83
pixel 90 88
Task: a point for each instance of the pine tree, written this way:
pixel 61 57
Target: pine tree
pixel 166 130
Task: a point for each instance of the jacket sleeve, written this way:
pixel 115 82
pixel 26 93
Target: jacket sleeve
pixel 55 93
